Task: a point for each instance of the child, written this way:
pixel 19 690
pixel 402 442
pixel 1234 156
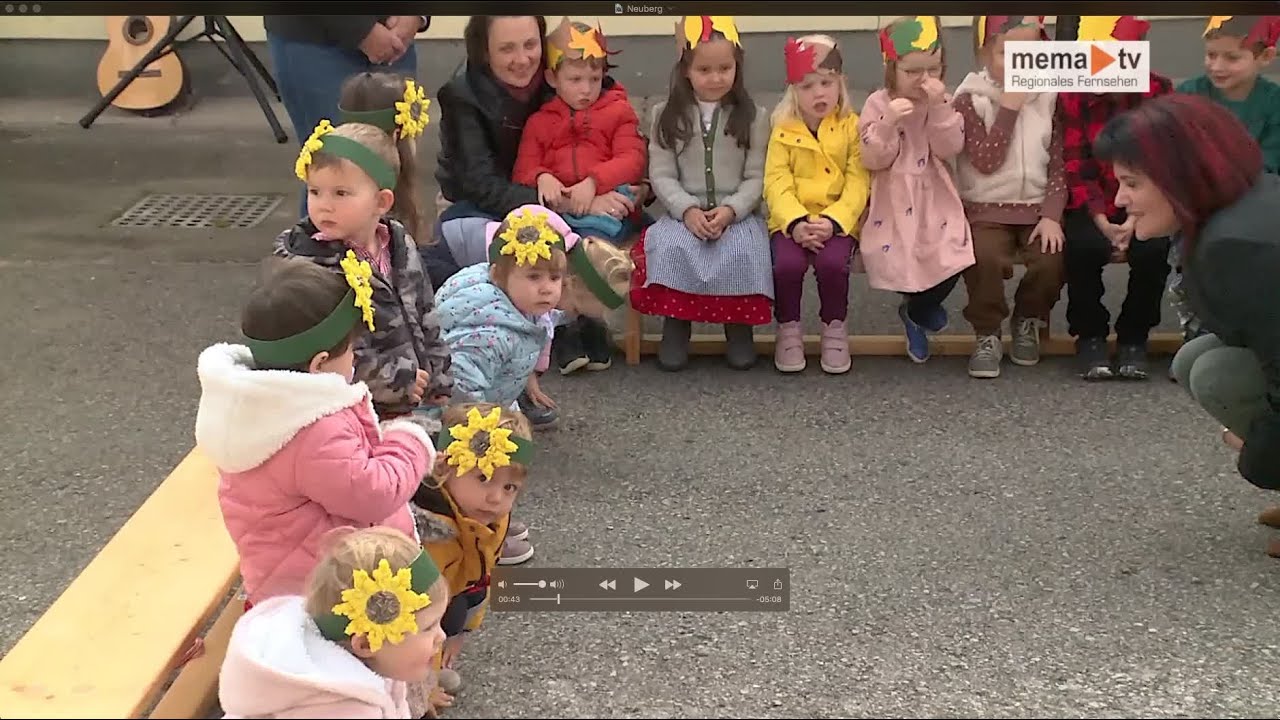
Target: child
pixel 816 189
pixel 351 174
pixel 348 645
pixel 1010 178
pixel 1237 49
pixel 489 312
pixel 581 150
pixel 707 259
pixel 916 239
pixel 463 511
pixel 398 106
pixel 1098 232
pixel 297 444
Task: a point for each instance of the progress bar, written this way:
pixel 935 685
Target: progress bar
pixel 640 590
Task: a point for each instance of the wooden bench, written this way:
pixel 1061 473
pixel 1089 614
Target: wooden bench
pixel 635 343
pixel 142 631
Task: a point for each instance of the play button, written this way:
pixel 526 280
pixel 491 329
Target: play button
pixel 640 585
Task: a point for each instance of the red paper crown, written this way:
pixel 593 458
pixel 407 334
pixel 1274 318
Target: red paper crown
pixel 803 58
pixel 1263 29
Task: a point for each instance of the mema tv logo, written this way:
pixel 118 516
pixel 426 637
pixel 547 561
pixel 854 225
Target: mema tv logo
pixel 1051 65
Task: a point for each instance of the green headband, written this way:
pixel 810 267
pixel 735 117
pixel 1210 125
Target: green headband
pixel 300 348
pixel 480 443
pixel 322 140
pixel 583 268
pixel 381 605
pixel 356 305
pixel 384 118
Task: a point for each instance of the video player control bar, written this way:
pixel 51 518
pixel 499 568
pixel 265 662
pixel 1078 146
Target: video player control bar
pixel 516 589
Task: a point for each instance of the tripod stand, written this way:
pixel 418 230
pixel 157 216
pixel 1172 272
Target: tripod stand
pixel 236 52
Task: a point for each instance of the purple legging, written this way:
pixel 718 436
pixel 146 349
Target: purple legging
pixel 830 266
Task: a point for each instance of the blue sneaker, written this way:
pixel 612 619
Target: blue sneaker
pixel 917 340
pixel 935 320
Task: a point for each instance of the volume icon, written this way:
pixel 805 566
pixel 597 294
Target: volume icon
pixel 557 584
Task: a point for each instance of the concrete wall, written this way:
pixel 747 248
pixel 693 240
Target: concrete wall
pixel 58 56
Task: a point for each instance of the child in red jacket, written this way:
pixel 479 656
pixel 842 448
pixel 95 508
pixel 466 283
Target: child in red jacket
pixel 584 152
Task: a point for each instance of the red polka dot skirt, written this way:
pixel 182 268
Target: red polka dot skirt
pixel 663 301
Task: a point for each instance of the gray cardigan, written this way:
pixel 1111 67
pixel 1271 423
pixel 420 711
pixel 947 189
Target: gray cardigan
pixel 736 175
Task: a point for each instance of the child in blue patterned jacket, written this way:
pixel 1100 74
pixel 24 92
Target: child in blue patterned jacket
pixel 490 312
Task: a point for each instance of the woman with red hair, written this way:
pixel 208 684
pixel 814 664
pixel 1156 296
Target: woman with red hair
pixel 1188 168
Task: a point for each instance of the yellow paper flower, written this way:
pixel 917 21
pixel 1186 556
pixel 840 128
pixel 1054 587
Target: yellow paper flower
pixel 412 110
pixel 480 444
pixel 381 607
pixel 360 277
pixel 528 237
pixel 312 145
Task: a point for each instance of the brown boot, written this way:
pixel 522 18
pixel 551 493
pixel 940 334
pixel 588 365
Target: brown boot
pixel 1270 517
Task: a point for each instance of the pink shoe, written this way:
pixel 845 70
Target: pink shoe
pixel 835 348
pixel 788 350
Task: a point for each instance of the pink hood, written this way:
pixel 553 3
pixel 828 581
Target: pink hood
pixel 300 454
pixel 278 665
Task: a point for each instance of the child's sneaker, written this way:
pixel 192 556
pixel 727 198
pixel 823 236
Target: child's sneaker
pixel 788 349
pixel 567 350
pixel 595 343
pixel 1026 342
pixel 835 348
pixel 517 530
pixel 540 418
pixel 917 341
pixel 986 357
pixel 515 552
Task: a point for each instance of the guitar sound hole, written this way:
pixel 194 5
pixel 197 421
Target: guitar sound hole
pixel 137 29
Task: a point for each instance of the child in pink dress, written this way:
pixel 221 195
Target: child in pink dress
pixel 915 239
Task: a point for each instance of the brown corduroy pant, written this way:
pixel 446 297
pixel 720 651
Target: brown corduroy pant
pixel 996 248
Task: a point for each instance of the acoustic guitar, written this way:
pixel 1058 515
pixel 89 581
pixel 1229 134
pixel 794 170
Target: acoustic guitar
pixel 129 38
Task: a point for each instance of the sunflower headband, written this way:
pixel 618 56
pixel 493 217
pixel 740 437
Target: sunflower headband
pixel 694 29
pixel 1264 29
pixel 918 33
pixel 576 41
pixel 991 26
pixel 528 238
pixel 1108 28
pixel 322 140
pixel 356 306
pixel 480 443
pixel 381 607
pixel 408 115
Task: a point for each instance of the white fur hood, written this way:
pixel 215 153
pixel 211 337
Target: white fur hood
pixel 248 415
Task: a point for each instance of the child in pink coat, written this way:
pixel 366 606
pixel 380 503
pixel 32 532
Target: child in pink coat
pixel 915 239
pixel 327 653
pixel 298 446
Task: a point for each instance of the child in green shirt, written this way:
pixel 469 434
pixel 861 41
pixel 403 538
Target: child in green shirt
pixel 1236 50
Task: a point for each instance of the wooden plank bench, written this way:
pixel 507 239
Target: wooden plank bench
pixel 142 631
pixel 635 343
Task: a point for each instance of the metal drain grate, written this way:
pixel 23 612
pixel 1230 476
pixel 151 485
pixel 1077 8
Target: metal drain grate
pixel 199 211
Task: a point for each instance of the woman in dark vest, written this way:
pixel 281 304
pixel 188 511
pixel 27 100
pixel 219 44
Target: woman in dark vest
pixel 1211 194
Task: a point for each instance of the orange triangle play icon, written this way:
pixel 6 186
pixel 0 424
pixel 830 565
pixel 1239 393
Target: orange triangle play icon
pixel 1099 59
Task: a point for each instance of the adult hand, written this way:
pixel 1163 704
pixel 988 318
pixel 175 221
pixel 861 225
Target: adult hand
pixel 404 27
pixel 381 45
pixel 612 203
pixel 419 386
pixel 642 192
pixel 900 108
pixel 696 220
pixel 1049 233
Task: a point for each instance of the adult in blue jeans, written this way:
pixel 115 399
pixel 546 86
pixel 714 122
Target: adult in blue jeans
pixel 1214 199
pixel 313 55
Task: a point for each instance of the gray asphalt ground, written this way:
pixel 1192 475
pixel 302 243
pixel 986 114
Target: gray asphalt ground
pixel 1028 546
